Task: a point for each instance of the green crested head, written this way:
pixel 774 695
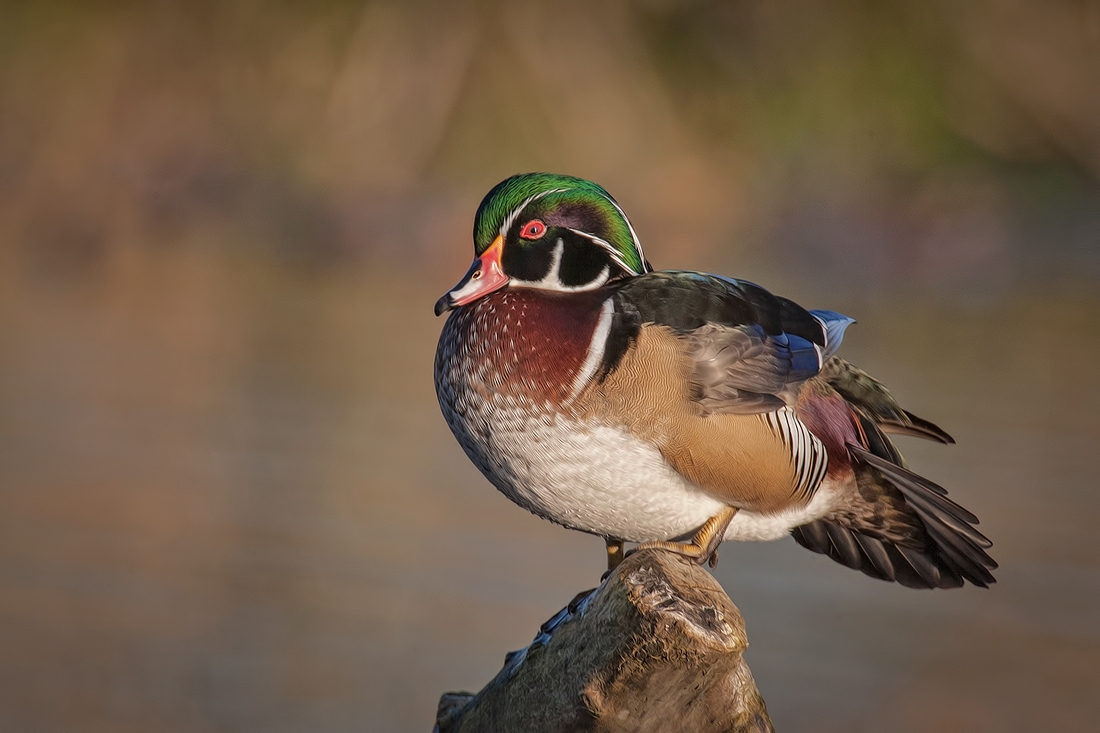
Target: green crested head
pixel 565 205
pixel 550 232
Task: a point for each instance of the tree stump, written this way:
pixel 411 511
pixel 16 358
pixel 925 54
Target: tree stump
pixel 657 647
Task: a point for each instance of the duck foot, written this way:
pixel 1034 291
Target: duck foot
pixel 614 552
pixel 703 547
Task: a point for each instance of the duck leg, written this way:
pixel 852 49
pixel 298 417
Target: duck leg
pixel 614 552
pixel 703 546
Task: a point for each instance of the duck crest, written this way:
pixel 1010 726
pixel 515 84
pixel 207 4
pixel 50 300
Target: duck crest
pixel 524 344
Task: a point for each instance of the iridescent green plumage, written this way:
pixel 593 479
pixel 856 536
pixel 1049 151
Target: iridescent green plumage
pixel 531 194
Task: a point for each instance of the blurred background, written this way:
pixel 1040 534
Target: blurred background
pixel 228 501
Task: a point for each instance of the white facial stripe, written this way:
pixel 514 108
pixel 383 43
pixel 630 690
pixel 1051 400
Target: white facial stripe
pixel 514 214
pixel 633 234
pixel 552 279
pixel 511 218
pixel 595 348
pixel 618 258
pixel 605 273
pixel 553 276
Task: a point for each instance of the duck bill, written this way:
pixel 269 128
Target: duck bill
pixel 485 276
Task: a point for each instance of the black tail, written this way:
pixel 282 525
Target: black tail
pixel 900 527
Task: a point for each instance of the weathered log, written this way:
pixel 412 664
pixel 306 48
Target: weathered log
pixel 657 647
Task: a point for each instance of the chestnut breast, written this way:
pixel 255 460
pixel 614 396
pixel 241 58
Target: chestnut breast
pixel 520 342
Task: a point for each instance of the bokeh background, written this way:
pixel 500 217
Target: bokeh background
pixel 227 499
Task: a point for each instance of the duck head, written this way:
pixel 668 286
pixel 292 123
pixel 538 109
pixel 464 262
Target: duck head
pixel 547 231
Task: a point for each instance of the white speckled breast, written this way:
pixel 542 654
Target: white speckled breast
pixel 513 421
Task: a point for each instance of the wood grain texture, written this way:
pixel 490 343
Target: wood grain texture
pixel 657 647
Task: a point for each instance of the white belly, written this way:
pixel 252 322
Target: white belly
pixel 605 481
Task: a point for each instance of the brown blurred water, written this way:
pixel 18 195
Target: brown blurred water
pixel 227 498
pixel 229 503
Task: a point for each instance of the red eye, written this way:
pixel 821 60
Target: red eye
pixel 533 229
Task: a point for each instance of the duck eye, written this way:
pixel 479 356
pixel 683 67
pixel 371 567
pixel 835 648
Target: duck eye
pixel 533 229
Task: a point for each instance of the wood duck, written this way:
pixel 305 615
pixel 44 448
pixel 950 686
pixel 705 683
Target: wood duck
pixel 677 409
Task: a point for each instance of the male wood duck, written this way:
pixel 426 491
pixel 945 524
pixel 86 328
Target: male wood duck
pixel 674 408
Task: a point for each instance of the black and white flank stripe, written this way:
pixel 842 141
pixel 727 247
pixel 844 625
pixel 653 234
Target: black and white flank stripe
pixel 808 454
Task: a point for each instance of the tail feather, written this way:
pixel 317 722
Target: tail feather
pixel 874 400
pixel 874 552
pixel 877 558
pixel 926 496
pixel 877 442
pixel 949 526
pixel 916 427
pixel 845 548
pixel 899 526
pixel 928 572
